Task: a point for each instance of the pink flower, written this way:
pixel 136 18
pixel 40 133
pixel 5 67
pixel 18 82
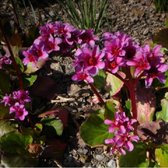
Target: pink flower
pixel 16 103
pixel 123 130
pixel 88 60
pixel 19 110
pixel 82 76
pixel 88 37
pixel 140 62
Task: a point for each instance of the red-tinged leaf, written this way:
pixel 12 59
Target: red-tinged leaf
pixel 61 113
pixel 155 131
pixel 145 104
pixel 44 87
pixel 54 149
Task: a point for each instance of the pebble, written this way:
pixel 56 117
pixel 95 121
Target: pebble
pixel 99 157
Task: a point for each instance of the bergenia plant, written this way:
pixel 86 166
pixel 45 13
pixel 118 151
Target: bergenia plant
pixel 129 123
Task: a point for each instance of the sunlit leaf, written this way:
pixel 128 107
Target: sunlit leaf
pixel 162 155
pixel 114 84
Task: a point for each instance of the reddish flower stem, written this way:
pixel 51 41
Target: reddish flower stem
pixel 18 72
pixel 131 86
pixel 96 93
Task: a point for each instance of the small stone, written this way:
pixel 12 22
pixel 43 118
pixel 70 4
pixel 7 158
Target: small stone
pixel 99 157
pixel 111 163
pixel 146 31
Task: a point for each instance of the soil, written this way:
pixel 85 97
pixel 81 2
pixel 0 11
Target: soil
pixel 137 18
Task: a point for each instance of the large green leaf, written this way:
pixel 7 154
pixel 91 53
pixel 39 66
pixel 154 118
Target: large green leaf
pixel 15 143
pixel 5 127
pixel 163 114
pixel 93 131
pixel 161 155
pixel 136 158
pixel 114 84
pixel 11 160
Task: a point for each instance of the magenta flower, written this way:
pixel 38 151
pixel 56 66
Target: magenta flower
pixel 140 62
pixel 47 29
pixel 123 129
pixel 82 76
pixel 19 110
pixel 88 61
pixel 88 37
pixel 16 103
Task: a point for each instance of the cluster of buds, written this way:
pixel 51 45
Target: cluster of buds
pixel 123 130
pixel 58 37
pixel 16 102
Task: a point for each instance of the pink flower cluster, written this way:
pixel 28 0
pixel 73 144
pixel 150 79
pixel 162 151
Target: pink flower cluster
pixel 120 53
pixel 16 103
pixel 58 37
pixel 123 130
pixel 5 58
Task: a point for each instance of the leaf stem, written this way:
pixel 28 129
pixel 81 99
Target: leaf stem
pixel 96 93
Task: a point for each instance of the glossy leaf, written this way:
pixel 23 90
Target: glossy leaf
pixel 93 131
pixel 114 84
pixel 15 141
pixel 136 158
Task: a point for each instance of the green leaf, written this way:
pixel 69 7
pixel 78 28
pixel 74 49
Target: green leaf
pixel 29 80
pixel 5 127
pixel 136 158
pixel 15 141
pixel 94 132
pixel 161 155
pixel 100 80
pixel 163 114
pixel 114 84
pixel 54 123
